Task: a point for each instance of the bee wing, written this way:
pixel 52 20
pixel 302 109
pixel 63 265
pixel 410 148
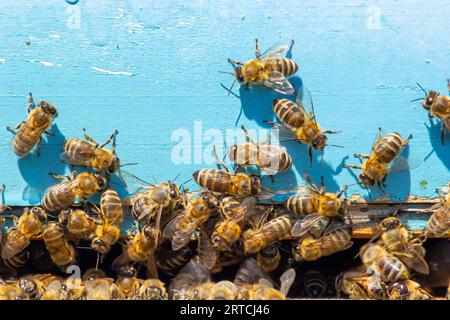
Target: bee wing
pixel 279 83
pixel 331 243
pixel 134 184
pixel 400 164
pixel 171 225
pixel 246 209
pixel 302 226
pixel 265 283
pixel 181 238
pixel 286 281
pixel 84 159
pixel 152 271
pixel 206 251
pixel 305 101
pixel 275 51
pixel 412 258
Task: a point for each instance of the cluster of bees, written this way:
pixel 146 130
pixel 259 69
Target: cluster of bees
pixel 194 235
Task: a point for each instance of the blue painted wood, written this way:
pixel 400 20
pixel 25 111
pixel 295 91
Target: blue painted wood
pixel 148 68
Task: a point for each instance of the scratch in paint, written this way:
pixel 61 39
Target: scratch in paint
pixel 125 73
pixel 49 64
pixel 2 60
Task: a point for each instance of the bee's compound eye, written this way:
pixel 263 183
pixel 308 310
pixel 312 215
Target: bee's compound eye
pixel 35 210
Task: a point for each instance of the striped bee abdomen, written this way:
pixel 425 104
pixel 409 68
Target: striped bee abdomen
pixel 111 207
pixel 439 221
pixel 289 112
pixel 18 261
pixel 389 147
pixel 286 66
pixel 25 140
pixel 277 229
pixel 58 197
pixel 392 269
pixel 213 180
pixel 300 204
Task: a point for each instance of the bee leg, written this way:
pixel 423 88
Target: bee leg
pixel 291 44
pixel 272 178
pixel 218 162
pixel 38 146
pixel 257 50
pixel 31 104
pixel 332 131
pixel 361 156
pixel 247 136
pixel 16 127
pixel 111 137
pixel 59 177
pixel 443 134
pixel 233 62
pixel 49 133
pixel 351 166
pixel 88 138
pixel 310 156
pixel 448 86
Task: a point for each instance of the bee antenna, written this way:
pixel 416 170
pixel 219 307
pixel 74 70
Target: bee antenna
pixel 226 72
pixel 129 164
pixel 176 177
pixel 334 145
pixel 417 99
pixel 185 182
pixel 231 88
pixel 267 190
pixel 422 88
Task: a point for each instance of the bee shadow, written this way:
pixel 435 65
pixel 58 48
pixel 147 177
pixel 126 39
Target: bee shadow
pixel 256 102
pixel 442 150
pixel 35 170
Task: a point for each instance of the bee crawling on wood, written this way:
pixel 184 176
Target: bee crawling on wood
pixel 29 132
pixel 268 69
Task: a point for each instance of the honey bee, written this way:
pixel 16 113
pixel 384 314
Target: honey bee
pixel 18 261
pixel 299 121
pixel 268 292
pixel 269 258
pixel 127 282
pixel 91 154
pixel 269 158
pixel 27 226
pixel 80 186
pixel 150 199
pixel 268 69
pixel 101 289
pixel 360 286
pixel 382 159
pixel 111 213
pixel 169 260
pixel 437 106
pixel 78 223
pixel 61 251
pixel 28 134
pixel 54 290
pixel 152 289
pixel 439 221
pixel 385 265
pixel 222 290
pixel 186 283
pixel 228 230
pixel 398 241
pixel 267 233
pixel 408 290
pixel 10 291
pixel 316 206
pixel 239 184
pixel 140 247
pixel 334 240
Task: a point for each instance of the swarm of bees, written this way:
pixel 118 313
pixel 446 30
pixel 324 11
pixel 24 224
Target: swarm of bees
pixel 191 236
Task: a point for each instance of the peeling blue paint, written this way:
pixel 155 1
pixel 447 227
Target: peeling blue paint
pixel 361 71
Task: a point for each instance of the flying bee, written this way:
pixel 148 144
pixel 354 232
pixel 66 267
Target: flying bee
pixel 439 221
pixel 268 69
pixel 299 121
pixel 186 282
pixel 437 106
pixel 269 258
pixel 408 290
pixel 111 213
pixel 90 153
pixel 152 289
pixel 28 134
pixel 316 207
pixel 149 199
pixel 382 159
pixel 61 251
pixel 360 286
pixel 27 226
pixel 334 240
pixel 127 282
pixel 380 262
pixel 140 247
pixel 78 223
pixel 268 157
pixel 398 241
pixel 228 230
pixel 79 186
pixel 264 233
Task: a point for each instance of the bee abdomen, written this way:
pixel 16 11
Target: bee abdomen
pixel 300 204
pixel 57 198
pixel 24 141
pixel 286 66
pixel 288 112
pixel 392 269
pixel 111 206
pixel 18 261
pixel 389 147
pixel 212 179
pixel 439 221
pixel 279 228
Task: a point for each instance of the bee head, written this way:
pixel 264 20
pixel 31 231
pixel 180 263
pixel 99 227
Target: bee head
pixel 320 142
pixel 63 216
pixel 255 184
pixel 127 271
pixel 238 74
pixel 49 108
pixel 40 213
pixel 99 246
pixel 154 293
pixel 101 181
pixel 398 287
pixel 366 180
pixel 174 191
pixel 429 99
pixel 390 223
